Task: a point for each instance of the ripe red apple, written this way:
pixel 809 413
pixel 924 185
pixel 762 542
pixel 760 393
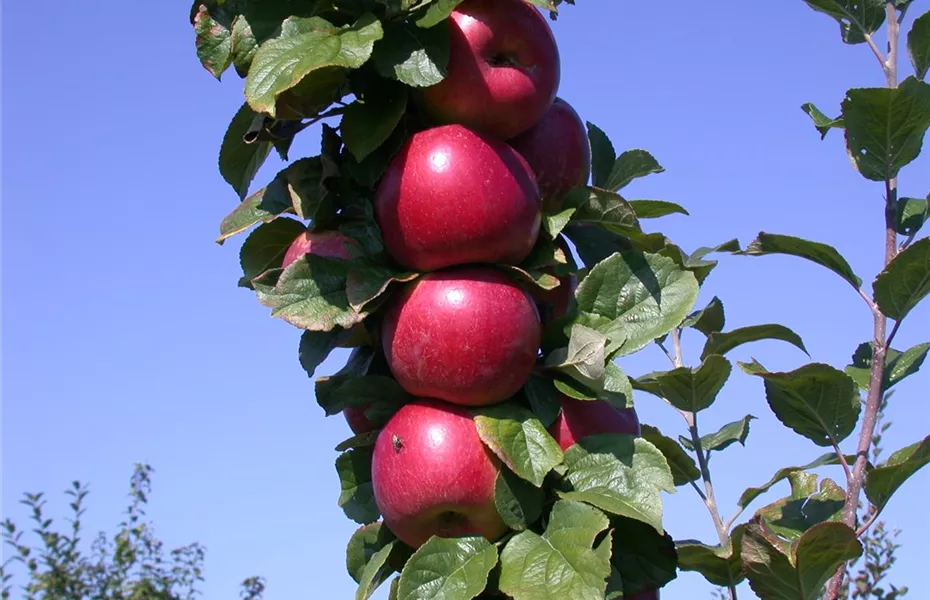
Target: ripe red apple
pixel 329 244
pixel 503 71
pixel 432 475
pixel 454 196
pixel 467 335
pixel 558 151
pixel 581 418
pixel 358 422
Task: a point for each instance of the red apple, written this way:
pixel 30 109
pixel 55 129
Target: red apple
pixel 558 151
pixel 467 335
pixel 453 196
pixel 432 475
pixel 503 71
pixel 329 244
pixel 581 418
pixel 358 422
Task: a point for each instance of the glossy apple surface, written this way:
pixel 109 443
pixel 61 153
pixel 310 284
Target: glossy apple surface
pixel 503 71
pixel 581 418
pixel 558 151
pixel 452 196
pixel 432 475
pixel 467 335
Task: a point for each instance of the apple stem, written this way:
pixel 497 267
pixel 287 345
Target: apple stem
pixel 880 344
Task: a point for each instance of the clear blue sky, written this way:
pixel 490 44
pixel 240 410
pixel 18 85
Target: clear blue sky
pixel 125 338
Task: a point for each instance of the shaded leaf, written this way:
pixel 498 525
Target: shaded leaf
pixel 447 569
pixel 653 209
pixel 543 398
pixel 905 281
pixel 315 346
pixel 681 464
pixel 631 165
pixel 365 542
pixel 883 481
pixel 367 283
pixel 729 434
pixel 517 437
pixel 375 572
pixel 912 213
pixel 266 246
pixel 857 18
pixel 918 45
pixel 898 365
pixel 822 254
pixel 357 499
pixel 603 155
pixel 719 565
pixel 754 492
pixel 366 125
pixel 708 320
pixel 437 12
pixel 790 517
pixel 690 390
pixel 723 342
pixel 412 55
pixel 240 161
pixel 603 208
pixel 517 501
pixel 641 559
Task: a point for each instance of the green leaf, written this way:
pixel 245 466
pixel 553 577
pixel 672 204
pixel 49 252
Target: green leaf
pixel 883 481
pixel 518 502
pixel 517 437
pixel 365 542
pixel 603 155
pixel 562 562
pixel 635 298
pixel 263 206
pixel 690 390
pixel 752 493
pixel 315 346
pixel 244 45
pixel 447 569
pixel 905 281
pixel 240 161
pixel 306 46
pixel 631 165
pixel 311 294
pixel 584 357
pixel 362 440
pixel 214 44
pixel 554 223
pixel 357 498
pixel 414 56
pixel 898 365
pixel 719 565
pixel 822 254
pixel 266 246
pixel 543 398
pixel 641 559
pixel 816 401
pixel 437 12
pixel 822 122
pixel 367 283
pixel 375 572
pixel 737 431
pixel 710 319
pixel 620 474
pixel 682 465
pixel 602 208
pixel 366 125
pixel 918 45
pixel 345 390
pixel 912 213
pixel 814 559
pixel 723 342
pixel 653 209
pixel 790 517
pixel 885 127
pixel 857 18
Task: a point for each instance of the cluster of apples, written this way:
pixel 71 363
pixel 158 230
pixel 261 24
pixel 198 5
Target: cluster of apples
pixel 458 199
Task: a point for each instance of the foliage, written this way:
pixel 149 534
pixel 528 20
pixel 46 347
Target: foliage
pixel 364 62
pixel 132 564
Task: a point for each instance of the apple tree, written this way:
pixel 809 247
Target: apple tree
pixel 463 231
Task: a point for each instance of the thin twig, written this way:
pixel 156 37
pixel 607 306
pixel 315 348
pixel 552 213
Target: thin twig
pixel 872 306
pixel 842 457
pixel 868 522
pixel 894 332
pixel 676 345
pixel 875 50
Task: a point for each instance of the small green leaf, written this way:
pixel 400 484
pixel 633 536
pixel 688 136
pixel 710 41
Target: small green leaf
pixel 240 161
pixel 437 12
pixel 822 122
pixel 723 342
pixel 682 465
pixel 603 155
pixel 634 298
pixel 641 559
pixel 729 434
pixel 543 398
pixel 790 517
pixel 368 283
pixel 883 481
pixel 710 319
pixel 885 126
pixel 244 45
pixel 691 390
pixel 365 542
pixel 306 46
pixel 517 437
pixel 414 56
pixel 653 209
pixel 857 18
pixel 751 494
pixel 315 346
pixel 898 365
pixel 518 503
pixel 814 559
pixel 214 44
pixel 562 562
pixel 375 572
pixel 816 401
pixel 583 358
pixel 357 498
pixel 447 569
pixel 719 565
pixel 918 45
pixel 905 281
pixel 554 223
pixel 620 474
pixel 603 208
pixel 347 389
pixel 265 247
pixel 822 254
pixel 366 125
pixel 631 165
pixel 912 213
pixel 263 206
pixel 362 440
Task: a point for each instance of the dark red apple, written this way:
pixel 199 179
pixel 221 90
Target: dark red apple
pixel 581 418
pixel 558 151
pixel 467 335
pixel 503 71
pixel 358 422
pixel 453 196
pixel 432 475
pixel 329 244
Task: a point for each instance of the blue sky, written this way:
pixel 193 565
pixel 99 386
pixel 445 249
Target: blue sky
pixel 125 338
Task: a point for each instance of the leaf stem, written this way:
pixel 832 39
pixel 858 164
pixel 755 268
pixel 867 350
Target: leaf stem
pixel 879 342
pixel 875 50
